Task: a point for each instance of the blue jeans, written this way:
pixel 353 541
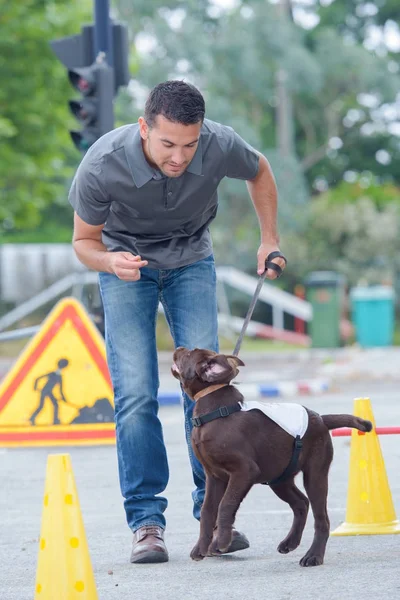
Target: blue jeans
pixel 188 295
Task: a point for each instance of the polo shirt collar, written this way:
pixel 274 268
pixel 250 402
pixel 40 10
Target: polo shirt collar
pixel 139 167
pixel 196 164
pixel 142 172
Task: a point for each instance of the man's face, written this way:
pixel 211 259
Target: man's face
pixel 169 146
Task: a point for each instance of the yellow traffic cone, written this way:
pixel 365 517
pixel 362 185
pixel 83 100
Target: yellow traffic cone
pixel 64 570
pixel 370 507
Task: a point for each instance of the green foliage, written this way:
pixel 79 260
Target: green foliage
pixel 235 60
pixel 35 149
pixel 352 20
pixel 350 71
pixel 234 57
pixel 365 187
pixel 354 230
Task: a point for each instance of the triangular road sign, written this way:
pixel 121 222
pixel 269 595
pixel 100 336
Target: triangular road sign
pixel 59 390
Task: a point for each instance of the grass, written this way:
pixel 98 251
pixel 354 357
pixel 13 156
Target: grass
pixel 12 348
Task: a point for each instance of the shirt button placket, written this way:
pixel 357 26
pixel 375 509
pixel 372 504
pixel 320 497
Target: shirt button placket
pixel 168 196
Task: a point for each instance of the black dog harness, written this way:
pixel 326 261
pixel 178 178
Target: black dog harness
pixel 225 411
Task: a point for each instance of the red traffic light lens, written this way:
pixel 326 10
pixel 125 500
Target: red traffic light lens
pixel 83 80
pixel 83 85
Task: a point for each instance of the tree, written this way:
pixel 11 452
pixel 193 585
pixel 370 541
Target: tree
pixel 234 60
pixel 35 149
pixel 353 229
pixel 235 57
pixel 347 128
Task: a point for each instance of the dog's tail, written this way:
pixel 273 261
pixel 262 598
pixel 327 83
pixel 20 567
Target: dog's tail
pixel 337 421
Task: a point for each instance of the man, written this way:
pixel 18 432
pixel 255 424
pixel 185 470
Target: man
pixel 54 379
pixel 144 196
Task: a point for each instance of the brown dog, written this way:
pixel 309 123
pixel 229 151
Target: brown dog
pixel 245 448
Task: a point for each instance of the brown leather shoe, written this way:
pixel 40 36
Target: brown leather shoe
pixel 239 542
pixel 148 545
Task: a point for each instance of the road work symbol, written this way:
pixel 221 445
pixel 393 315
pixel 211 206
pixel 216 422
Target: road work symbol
pixel 53 381
pixel 59 390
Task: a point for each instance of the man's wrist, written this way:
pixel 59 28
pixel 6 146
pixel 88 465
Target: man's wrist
pixel 105 262
pixel 270 241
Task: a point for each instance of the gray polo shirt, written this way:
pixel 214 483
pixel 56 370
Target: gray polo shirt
pixel 164 220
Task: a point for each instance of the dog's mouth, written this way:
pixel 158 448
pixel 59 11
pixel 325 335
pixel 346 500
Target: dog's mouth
pixel 175 367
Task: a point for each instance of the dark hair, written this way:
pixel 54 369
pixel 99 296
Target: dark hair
pixel 177 101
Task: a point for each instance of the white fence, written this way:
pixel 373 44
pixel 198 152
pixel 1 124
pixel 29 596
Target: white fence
pixel 31 274
pixel 27 269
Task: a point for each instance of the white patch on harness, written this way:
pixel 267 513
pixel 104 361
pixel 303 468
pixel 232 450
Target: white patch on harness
pixel 293 418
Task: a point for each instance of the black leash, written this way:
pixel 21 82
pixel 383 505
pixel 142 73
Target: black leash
pixel 268 265
pixel 225 411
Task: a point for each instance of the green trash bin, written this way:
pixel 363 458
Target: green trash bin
pixel 373 313
pixel 325 292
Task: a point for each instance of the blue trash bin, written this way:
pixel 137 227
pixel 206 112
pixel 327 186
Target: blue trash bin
pixel 373 315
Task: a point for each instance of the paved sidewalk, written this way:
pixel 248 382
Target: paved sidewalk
pixel 340 364
pixel 309 371
pixel 355 566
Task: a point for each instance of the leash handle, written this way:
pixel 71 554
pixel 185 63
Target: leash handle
pixel 268 265
pixel 273 266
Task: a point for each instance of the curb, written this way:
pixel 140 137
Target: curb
pixel 255 390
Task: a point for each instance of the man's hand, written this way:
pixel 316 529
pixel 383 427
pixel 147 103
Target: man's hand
pixel 263 252
pixel 125 266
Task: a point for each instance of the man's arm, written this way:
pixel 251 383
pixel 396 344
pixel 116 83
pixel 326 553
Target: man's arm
pixel 264 195
pixel 88 245
pixel 38 379
pixel 63 398
pixel 93 254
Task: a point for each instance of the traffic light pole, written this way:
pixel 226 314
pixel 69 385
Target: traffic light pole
pixel 102 38
pixel 97 63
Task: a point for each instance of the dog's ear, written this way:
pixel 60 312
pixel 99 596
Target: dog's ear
pixel 234 360
pixel 216 370
pixel 175 372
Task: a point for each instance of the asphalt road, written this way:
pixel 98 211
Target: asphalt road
pixel 355 567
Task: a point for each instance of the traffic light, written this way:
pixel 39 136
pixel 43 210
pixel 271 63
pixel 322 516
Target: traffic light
pixel 95 80
pixel 94 110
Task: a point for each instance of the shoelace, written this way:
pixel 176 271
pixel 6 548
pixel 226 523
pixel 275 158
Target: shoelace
pixel 152 530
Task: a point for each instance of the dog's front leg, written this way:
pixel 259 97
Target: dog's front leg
pixel 215 489
pixel 240 482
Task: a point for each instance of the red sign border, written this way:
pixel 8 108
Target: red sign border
pixel 68 313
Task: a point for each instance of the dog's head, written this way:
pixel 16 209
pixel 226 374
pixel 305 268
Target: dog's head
pixel 199 368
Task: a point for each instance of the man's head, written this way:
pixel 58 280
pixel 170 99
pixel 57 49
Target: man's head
pixel 170 128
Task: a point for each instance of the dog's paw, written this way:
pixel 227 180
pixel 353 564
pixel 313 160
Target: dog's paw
pixel 196 554
pixel 311 560
pixel 213 549
pixel 287 545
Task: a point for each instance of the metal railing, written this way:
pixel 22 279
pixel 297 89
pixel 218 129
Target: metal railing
pixel 279 300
